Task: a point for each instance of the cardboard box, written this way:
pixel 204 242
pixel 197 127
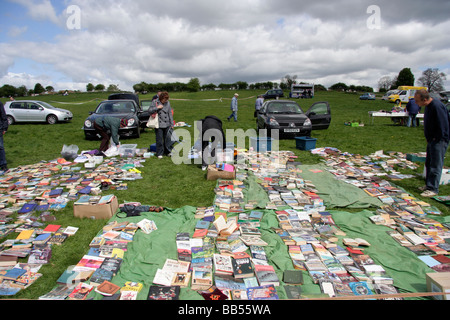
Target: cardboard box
pixel 96 211
pixel 439 282
pixel 214 173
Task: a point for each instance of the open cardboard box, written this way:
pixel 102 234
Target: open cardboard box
pixel 96 211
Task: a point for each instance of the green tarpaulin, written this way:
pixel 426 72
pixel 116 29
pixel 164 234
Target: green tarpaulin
pixel 148 252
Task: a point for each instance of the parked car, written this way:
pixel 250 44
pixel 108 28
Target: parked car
pixel 273 94
pixel 35 111
pixel 388 94
pixel 367 96
pixel 137 118
pixel 289 119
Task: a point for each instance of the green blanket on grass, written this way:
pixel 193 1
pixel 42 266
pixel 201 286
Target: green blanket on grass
pixel 148 252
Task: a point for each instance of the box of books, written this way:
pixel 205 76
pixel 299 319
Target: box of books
pixel 222 171
pixel 103 208
pixel 439 282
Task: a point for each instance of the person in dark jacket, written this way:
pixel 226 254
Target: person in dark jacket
pixel 211 128
pixel 3 129
pixel 437 133
pixel 413 109
pixel 108 128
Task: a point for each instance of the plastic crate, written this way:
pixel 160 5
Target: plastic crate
pixel 305 143
pixel 127 150
pixel 261 144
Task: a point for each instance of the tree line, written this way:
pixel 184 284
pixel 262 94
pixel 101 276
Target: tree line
pixel 431 78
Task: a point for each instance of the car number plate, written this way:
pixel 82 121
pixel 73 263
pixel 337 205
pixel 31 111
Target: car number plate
pixel 291 130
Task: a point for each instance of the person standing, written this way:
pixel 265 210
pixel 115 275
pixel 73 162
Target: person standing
pixel 234 108
pixel 165 120
pixel 108 128
pixel 3 129
pixel 258 104
pixel 413 110
pixel 437 134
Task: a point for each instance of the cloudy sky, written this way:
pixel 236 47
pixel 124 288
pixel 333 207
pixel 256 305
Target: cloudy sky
pixel 67 44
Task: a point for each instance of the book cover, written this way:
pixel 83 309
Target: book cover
pixel 294 277
pixel 163 293
pixel 242 268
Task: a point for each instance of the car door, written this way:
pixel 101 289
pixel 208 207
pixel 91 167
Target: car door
pixel 261 117
pixel 320 115
pixel 19 110
pixel 35 112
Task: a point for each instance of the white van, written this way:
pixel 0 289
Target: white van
pixel 404 94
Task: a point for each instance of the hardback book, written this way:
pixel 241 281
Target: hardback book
pixel 100 275
pixel 7 261
pixel 266 275
pixel 181 279
pixel 81 291
pixel 293 292
pixel 201 279
pixel 242 268
pixel 294 277
pixel 262 293
pixel 163 277
pixel 223 264
pixel 163 293
pixel 107 288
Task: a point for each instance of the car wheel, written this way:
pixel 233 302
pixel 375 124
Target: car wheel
pixel 10 120
pixel 52 119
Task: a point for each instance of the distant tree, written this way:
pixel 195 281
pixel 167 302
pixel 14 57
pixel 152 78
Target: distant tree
pixel 99 87
pixel 385 83
pixel 90 87
pixel 319 87
pixel 7 90
pixel 288 81
pixel 433 79
pixel 210 86
pixel 405 78
pixel 38 88
pixel 113 88
pixel 241 85
pixel 21 91
pixel 193 85
pixel 49 89
pixel 340 86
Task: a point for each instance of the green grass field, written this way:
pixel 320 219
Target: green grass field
pixel 173 186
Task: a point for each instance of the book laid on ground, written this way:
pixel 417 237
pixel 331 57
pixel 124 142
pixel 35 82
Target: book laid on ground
pixel 242 268
pixel 107 288
pixel 222 264
pixel 293 277
pixel 266 275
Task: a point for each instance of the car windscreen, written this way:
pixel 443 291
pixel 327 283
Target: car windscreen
pixel 284 107
pixel 49 106
pixel 115 107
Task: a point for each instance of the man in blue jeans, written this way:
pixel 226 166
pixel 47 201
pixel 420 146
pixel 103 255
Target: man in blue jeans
pixel 437 134
pixel 3 128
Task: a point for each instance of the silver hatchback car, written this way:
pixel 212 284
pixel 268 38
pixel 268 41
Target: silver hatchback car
pixel 35 111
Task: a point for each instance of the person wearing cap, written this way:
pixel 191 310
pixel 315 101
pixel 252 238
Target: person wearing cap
pixel 234 108
pixel 108 128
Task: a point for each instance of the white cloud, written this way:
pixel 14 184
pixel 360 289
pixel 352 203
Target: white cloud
pixel 126 42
